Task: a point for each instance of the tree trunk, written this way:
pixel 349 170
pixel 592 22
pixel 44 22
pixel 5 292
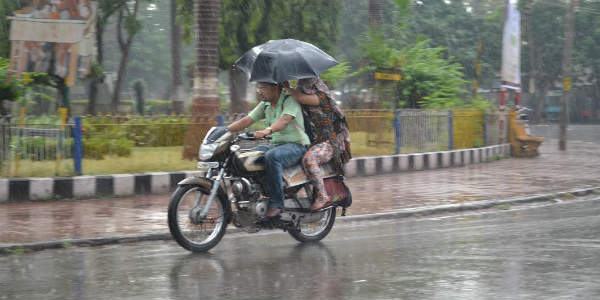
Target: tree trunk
pixel 237 91
pixel 375 13
pixel 125 46
pixel 116 97
pixel 95 81
pixel 541 101
pixel 91 108
pixel 177 92
pixel 596 101
pixel 206 99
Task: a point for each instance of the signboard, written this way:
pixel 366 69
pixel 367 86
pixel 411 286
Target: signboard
pixel 567 84
pixel 388 76
pixel 63 28
pixel 511 48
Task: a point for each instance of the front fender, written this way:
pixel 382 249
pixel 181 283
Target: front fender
pixel 206 185
pixel 202 181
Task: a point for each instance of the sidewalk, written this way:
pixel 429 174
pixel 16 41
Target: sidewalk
pixel 553 171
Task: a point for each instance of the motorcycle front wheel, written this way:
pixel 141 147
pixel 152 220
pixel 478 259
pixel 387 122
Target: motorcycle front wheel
pixel 317 230
pixel 196 235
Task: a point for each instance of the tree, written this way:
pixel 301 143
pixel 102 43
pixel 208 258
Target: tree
pixel 6 9
pixel 243 24
pixel 544 48
pixel 428 79
pixel 246 23
pixel 127 27
pixel 206 19
pixel 106 8
pixel 13 88
pixel 176 74
pixel 587 39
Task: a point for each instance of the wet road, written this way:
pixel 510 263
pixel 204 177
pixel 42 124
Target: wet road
pixel 546 252
pixel 575 132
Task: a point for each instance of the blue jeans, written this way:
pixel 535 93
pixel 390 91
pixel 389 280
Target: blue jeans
pixel 278 157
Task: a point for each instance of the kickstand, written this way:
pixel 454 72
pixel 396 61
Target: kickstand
pixel 343 212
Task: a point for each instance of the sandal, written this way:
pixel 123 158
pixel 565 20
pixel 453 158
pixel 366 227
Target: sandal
pixel 321 201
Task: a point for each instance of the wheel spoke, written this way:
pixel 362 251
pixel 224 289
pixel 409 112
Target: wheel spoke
pixel 209 227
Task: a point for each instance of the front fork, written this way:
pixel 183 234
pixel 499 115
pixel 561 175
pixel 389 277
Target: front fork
pixel 199 212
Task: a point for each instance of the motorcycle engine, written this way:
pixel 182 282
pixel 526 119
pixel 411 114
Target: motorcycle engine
pixel 250 207
pixel 247 216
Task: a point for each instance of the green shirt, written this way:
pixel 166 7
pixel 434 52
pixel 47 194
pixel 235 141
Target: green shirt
pixel 286 105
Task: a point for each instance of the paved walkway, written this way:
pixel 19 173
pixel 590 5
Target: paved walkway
pixel 552 171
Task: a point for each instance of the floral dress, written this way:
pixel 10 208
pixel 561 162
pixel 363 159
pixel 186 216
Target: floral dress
pixel 328 131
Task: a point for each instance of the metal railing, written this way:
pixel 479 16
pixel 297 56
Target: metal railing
pixel 25 144
pixel 133 144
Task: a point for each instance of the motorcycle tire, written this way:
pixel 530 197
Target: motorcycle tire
pixel 181 234
pixel 322 232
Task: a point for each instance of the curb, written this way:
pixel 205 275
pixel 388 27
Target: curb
pixel 402 213
pixel 82 187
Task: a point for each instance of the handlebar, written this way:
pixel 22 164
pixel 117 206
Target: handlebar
pixel 249 136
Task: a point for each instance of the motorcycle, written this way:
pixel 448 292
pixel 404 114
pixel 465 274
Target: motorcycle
pixel 232 191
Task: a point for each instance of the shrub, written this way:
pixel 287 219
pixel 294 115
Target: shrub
pixel 97 147
pixel 158 107
pixel 40 148
pixel 156 133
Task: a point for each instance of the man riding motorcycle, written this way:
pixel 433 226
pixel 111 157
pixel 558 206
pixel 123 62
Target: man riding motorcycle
pixel 284 121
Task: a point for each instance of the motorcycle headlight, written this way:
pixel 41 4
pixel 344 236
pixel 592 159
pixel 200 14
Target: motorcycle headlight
pixel 207 150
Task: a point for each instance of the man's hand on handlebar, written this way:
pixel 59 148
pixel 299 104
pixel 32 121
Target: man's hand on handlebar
pixel 261 133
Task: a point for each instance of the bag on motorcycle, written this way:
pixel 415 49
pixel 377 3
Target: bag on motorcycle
pixel 338 191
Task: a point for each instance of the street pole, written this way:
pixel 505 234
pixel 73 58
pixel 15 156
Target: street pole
pixel 564 117
pixel 478 68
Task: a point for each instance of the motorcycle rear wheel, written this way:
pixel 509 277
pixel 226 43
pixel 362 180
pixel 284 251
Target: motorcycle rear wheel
pixel 196 237
pixel 316 231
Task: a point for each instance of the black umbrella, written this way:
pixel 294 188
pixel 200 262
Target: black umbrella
pixel 280 60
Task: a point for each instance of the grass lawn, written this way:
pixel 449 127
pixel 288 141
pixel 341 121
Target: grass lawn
pixel 142 159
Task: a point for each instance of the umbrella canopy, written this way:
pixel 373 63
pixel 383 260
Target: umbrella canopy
pixel 280 60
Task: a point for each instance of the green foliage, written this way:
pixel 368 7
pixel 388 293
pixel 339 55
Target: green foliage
pixel 338 73
pixel 142 132
pixel 150 54
pixel 96 71
pixel 246 23
pixel 42 121
pixel 98 147
pixel 16 89
pixel 39 148
pixel 40 104
pixel 132 25
pixel 547 25
pixel 428 79
pixel 139 86
pixel 10 88
pixel 587 37
pixel 380 52
pixel 156 133
pixel 6 9
pixel 185 19
pixel 158 106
